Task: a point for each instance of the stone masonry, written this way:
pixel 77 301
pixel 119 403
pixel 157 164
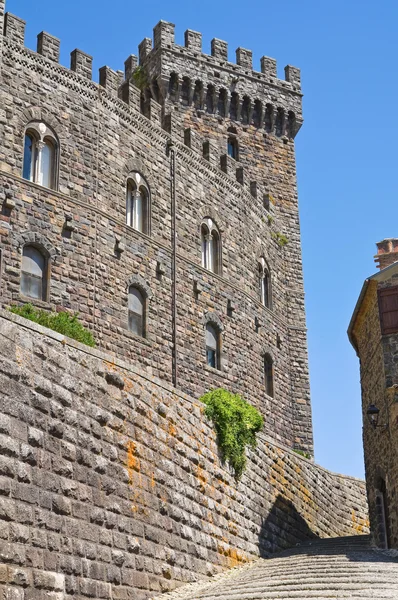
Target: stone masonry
pixel 174 131
pixel 111 484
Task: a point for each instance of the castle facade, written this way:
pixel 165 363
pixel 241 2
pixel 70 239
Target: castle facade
pixel 161 205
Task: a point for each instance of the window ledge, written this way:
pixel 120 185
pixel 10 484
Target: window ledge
pixel 137 338
pixel 213 370
pixel 35 302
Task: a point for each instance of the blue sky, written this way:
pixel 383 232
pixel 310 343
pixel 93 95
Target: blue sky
pixel 346 153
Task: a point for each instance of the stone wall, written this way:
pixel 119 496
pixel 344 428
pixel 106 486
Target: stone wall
pixel 103 137
pixel 111 484
pixel 379 381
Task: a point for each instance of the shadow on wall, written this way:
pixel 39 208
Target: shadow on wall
pixel 283 528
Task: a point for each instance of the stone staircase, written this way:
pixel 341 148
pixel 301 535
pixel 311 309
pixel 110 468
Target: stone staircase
pixel 322 569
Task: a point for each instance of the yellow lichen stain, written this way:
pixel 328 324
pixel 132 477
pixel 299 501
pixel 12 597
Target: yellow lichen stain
pixel 172 429
pixel 359 525
pixel 153 483
pixel 132 462
pixel 234 557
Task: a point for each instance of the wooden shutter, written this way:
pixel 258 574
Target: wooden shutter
pixel 388 307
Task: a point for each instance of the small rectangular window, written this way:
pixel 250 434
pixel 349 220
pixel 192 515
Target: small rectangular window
pixel 211 358
pixel 388 308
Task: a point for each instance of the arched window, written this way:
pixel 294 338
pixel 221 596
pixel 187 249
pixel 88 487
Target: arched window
pixel 269 375
pixel 222 102
pixel 210 99
pixel 211 255
pixel 40 155
pixel 265 283
pixel 173 87
pixel 291 124
pixel 186 91
pixel 137 307
pixel 269 118
pixel 138 203
pixel 246 108
pixel 198 95
pixel 34 273
pixel 233 107
pixel 212 346
pixel 280 122
pixel 257 113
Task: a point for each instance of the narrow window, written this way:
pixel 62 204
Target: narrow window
pixel 210 99
pixel 33 277
pixel 45 175
pixel 40 156
pixel 269 118
pixel 136 311
pixel 233 147
pixel 29 155
pixel 137 204
pixel 198 95
pixel 280 122
pixel 186 91
pixel 268 376
pixel 233 107
pixel 246 107
pixel 211 247
pixel 222 102
pixel 264 278
pixel 212 346
pixel 257 113
pixel 173 87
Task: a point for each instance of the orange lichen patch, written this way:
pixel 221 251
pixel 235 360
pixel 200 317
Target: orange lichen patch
pixel 201 477
pixel 153 483
pixel 132 462
pixel 359 525
pixel 234 556
pixel 172 429
pixel 232 527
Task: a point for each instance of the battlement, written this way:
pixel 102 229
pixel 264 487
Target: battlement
pixel 121 85
pixel 164 39
pixel 225 89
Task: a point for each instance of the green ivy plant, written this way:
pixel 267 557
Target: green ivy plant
pixel 302 453
pixel 236 423
pixel 62 322
pixel 280 238
pixel 139 77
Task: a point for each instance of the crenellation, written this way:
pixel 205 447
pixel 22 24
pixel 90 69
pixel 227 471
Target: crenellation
pixel 193 140
pixel 268 67
pixel 144 49
pixel 211 152
pixel 14 28
pixel 193 40
pixel 130 65
pixel 240 175
pixel 110 80
pixel 219 49
pixel 153 111
pixel 163 35
pixel 48 46
pixel 130 94
pixel 244 58
pixel 293 76
pixel 81 63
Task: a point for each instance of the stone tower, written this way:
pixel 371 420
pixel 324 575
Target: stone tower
pixel 212 257
pixel 212 103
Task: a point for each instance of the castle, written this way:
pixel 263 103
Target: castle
pixel 161 205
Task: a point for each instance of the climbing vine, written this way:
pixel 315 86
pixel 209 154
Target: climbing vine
pixel 236 423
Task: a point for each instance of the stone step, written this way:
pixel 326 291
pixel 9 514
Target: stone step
pixel 320 569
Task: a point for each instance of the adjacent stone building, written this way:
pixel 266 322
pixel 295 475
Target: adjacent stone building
pixel 373 332
pixel 161 204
